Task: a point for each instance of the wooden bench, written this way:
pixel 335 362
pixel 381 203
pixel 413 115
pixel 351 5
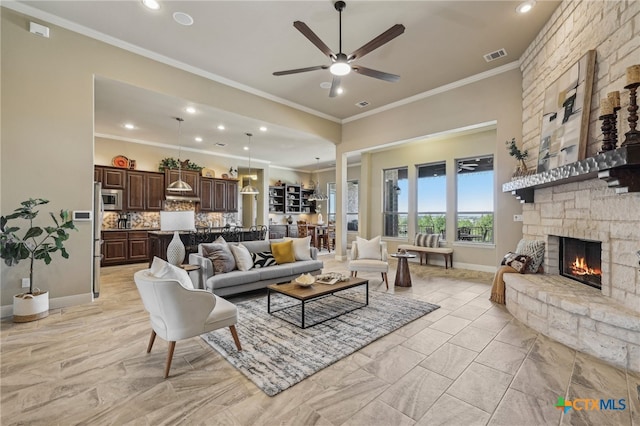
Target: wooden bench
pixel 424 253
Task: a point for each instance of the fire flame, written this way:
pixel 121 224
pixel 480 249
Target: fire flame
pixel 579 267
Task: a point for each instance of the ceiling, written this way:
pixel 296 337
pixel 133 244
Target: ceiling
pixel 242 43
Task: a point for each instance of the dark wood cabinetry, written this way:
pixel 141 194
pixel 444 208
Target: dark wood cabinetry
pixel 206 194
pixel 111 178
pixel 225 195
pixel 189 176
pixel 145 191
pixel 121 247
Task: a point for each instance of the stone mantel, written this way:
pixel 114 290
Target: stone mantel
pixel 620 168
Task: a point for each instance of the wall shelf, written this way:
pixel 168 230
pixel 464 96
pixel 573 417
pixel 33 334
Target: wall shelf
pixel 620 168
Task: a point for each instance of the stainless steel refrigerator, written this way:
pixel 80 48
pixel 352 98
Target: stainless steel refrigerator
pixel 97 242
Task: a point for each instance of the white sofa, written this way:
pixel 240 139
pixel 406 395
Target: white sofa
pixel 236 281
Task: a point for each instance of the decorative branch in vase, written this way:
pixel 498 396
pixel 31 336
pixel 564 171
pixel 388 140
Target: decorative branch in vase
pixel 520 155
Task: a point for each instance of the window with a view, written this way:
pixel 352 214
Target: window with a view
pixel 432 198
pixel 396 202
pixel 352 204
pixel 474 216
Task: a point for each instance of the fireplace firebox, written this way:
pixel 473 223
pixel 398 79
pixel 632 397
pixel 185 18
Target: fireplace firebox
pixel 581 260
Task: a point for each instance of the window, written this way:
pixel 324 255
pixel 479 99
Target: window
pixel 396 202
pixel 432 198
pixel 474 217
pixel 352 204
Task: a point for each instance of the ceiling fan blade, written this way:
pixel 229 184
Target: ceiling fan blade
pixel 313 38
pixel 335 84
pixel 297 70
pixel 375 74
pixel 383 38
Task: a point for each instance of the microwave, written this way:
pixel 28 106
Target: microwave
pixel 112 199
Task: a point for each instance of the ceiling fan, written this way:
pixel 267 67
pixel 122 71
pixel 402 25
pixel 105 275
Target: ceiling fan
pixel 467 166
pixel 341 63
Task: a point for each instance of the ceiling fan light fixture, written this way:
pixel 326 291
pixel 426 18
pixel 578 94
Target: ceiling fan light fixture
pixel 340 68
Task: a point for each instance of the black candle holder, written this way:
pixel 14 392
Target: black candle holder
pixel 632 137
pixel 609 142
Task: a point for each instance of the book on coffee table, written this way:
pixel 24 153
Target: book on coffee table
pixel 330 281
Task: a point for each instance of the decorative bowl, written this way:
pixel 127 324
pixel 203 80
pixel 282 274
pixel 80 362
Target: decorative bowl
pixel 305 280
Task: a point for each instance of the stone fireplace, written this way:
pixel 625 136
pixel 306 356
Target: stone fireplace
pixel 600 318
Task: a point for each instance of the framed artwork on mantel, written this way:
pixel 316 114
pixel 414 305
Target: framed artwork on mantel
pixel 565 115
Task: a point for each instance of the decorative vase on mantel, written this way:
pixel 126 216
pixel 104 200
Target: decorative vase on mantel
pixel 521 169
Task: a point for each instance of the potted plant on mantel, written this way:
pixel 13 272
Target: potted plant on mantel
pixel 514 151
pixel 37 243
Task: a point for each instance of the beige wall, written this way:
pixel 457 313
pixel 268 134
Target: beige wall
pixel 47 131
pixel 497 99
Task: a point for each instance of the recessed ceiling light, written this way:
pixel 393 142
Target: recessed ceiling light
pixel 525 6
pixel 246 148
pixel 129 126
pixel 183 18
pixel 325 85
pixel 263 129
pixel 190 110
pixel 220 127
pixel 151 4
pixel 198 139
pixel 340 91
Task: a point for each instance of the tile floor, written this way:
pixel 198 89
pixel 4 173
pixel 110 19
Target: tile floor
pixel 467 363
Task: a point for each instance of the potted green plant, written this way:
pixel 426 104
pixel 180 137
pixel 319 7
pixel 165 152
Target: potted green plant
pixel 519 155
pixel 37 243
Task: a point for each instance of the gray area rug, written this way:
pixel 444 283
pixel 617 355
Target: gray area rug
pixel 276 354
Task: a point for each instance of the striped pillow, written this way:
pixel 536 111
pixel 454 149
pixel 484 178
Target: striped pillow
pixel 427 240
pixel 263 259
pixel 535 250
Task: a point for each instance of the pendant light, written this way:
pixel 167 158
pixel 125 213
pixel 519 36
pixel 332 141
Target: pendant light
pixel 317 195
pixel 249 189
pixel 179 185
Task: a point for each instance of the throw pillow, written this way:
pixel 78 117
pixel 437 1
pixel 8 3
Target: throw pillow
pixel 241 254
pixel 519 262
pixel 221 257
pixel 162 269
pixel 301 247
pixel 433 240
pixel 421 240
pixel 369 249
pixel 283 252
pixel 263 259
pixel 535 250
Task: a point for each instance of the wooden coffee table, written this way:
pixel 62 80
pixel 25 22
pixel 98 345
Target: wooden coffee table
pixel 315 292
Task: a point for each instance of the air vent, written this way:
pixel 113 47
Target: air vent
pixel 220 144
pixel 362 104
pixel 495 55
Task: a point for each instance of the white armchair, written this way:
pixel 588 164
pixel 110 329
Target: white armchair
pixel 370 262
pixel 179 313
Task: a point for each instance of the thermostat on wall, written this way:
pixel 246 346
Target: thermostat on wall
pixel 82 216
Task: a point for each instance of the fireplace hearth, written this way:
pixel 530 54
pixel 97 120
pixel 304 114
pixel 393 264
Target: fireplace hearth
pixel 580 260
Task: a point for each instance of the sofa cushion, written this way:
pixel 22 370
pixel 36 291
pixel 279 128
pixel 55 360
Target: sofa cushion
pixel 369 249
pixel 303 266
pixel 301 247
pixel 233 278
pixel 220 255
pixel 259 246
pixel 263 259
pixel 283 252
pixel 243 258
pixel 277 271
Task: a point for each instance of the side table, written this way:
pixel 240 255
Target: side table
pixel 192 268
pixel 403 276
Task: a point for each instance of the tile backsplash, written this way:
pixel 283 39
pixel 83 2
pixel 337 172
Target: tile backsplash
pixel 146 220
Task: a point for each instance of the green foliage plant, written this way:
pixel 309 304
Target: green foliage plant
pixel 514 151
pixel 171 163
pixel 37 243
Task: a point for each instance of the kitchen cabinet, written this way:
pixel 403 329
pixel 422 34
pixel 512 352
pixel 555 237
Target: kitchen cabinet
pixel 145 191
pixel 111 178
pixel 189 176
pixel 206 194
pixel 138 246
pixel 225 195
pixel 122 247
pixel 114 248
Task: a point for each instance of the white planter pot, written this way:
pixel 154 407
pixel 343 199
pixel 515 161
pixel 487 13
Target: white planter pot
pixel 29 307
